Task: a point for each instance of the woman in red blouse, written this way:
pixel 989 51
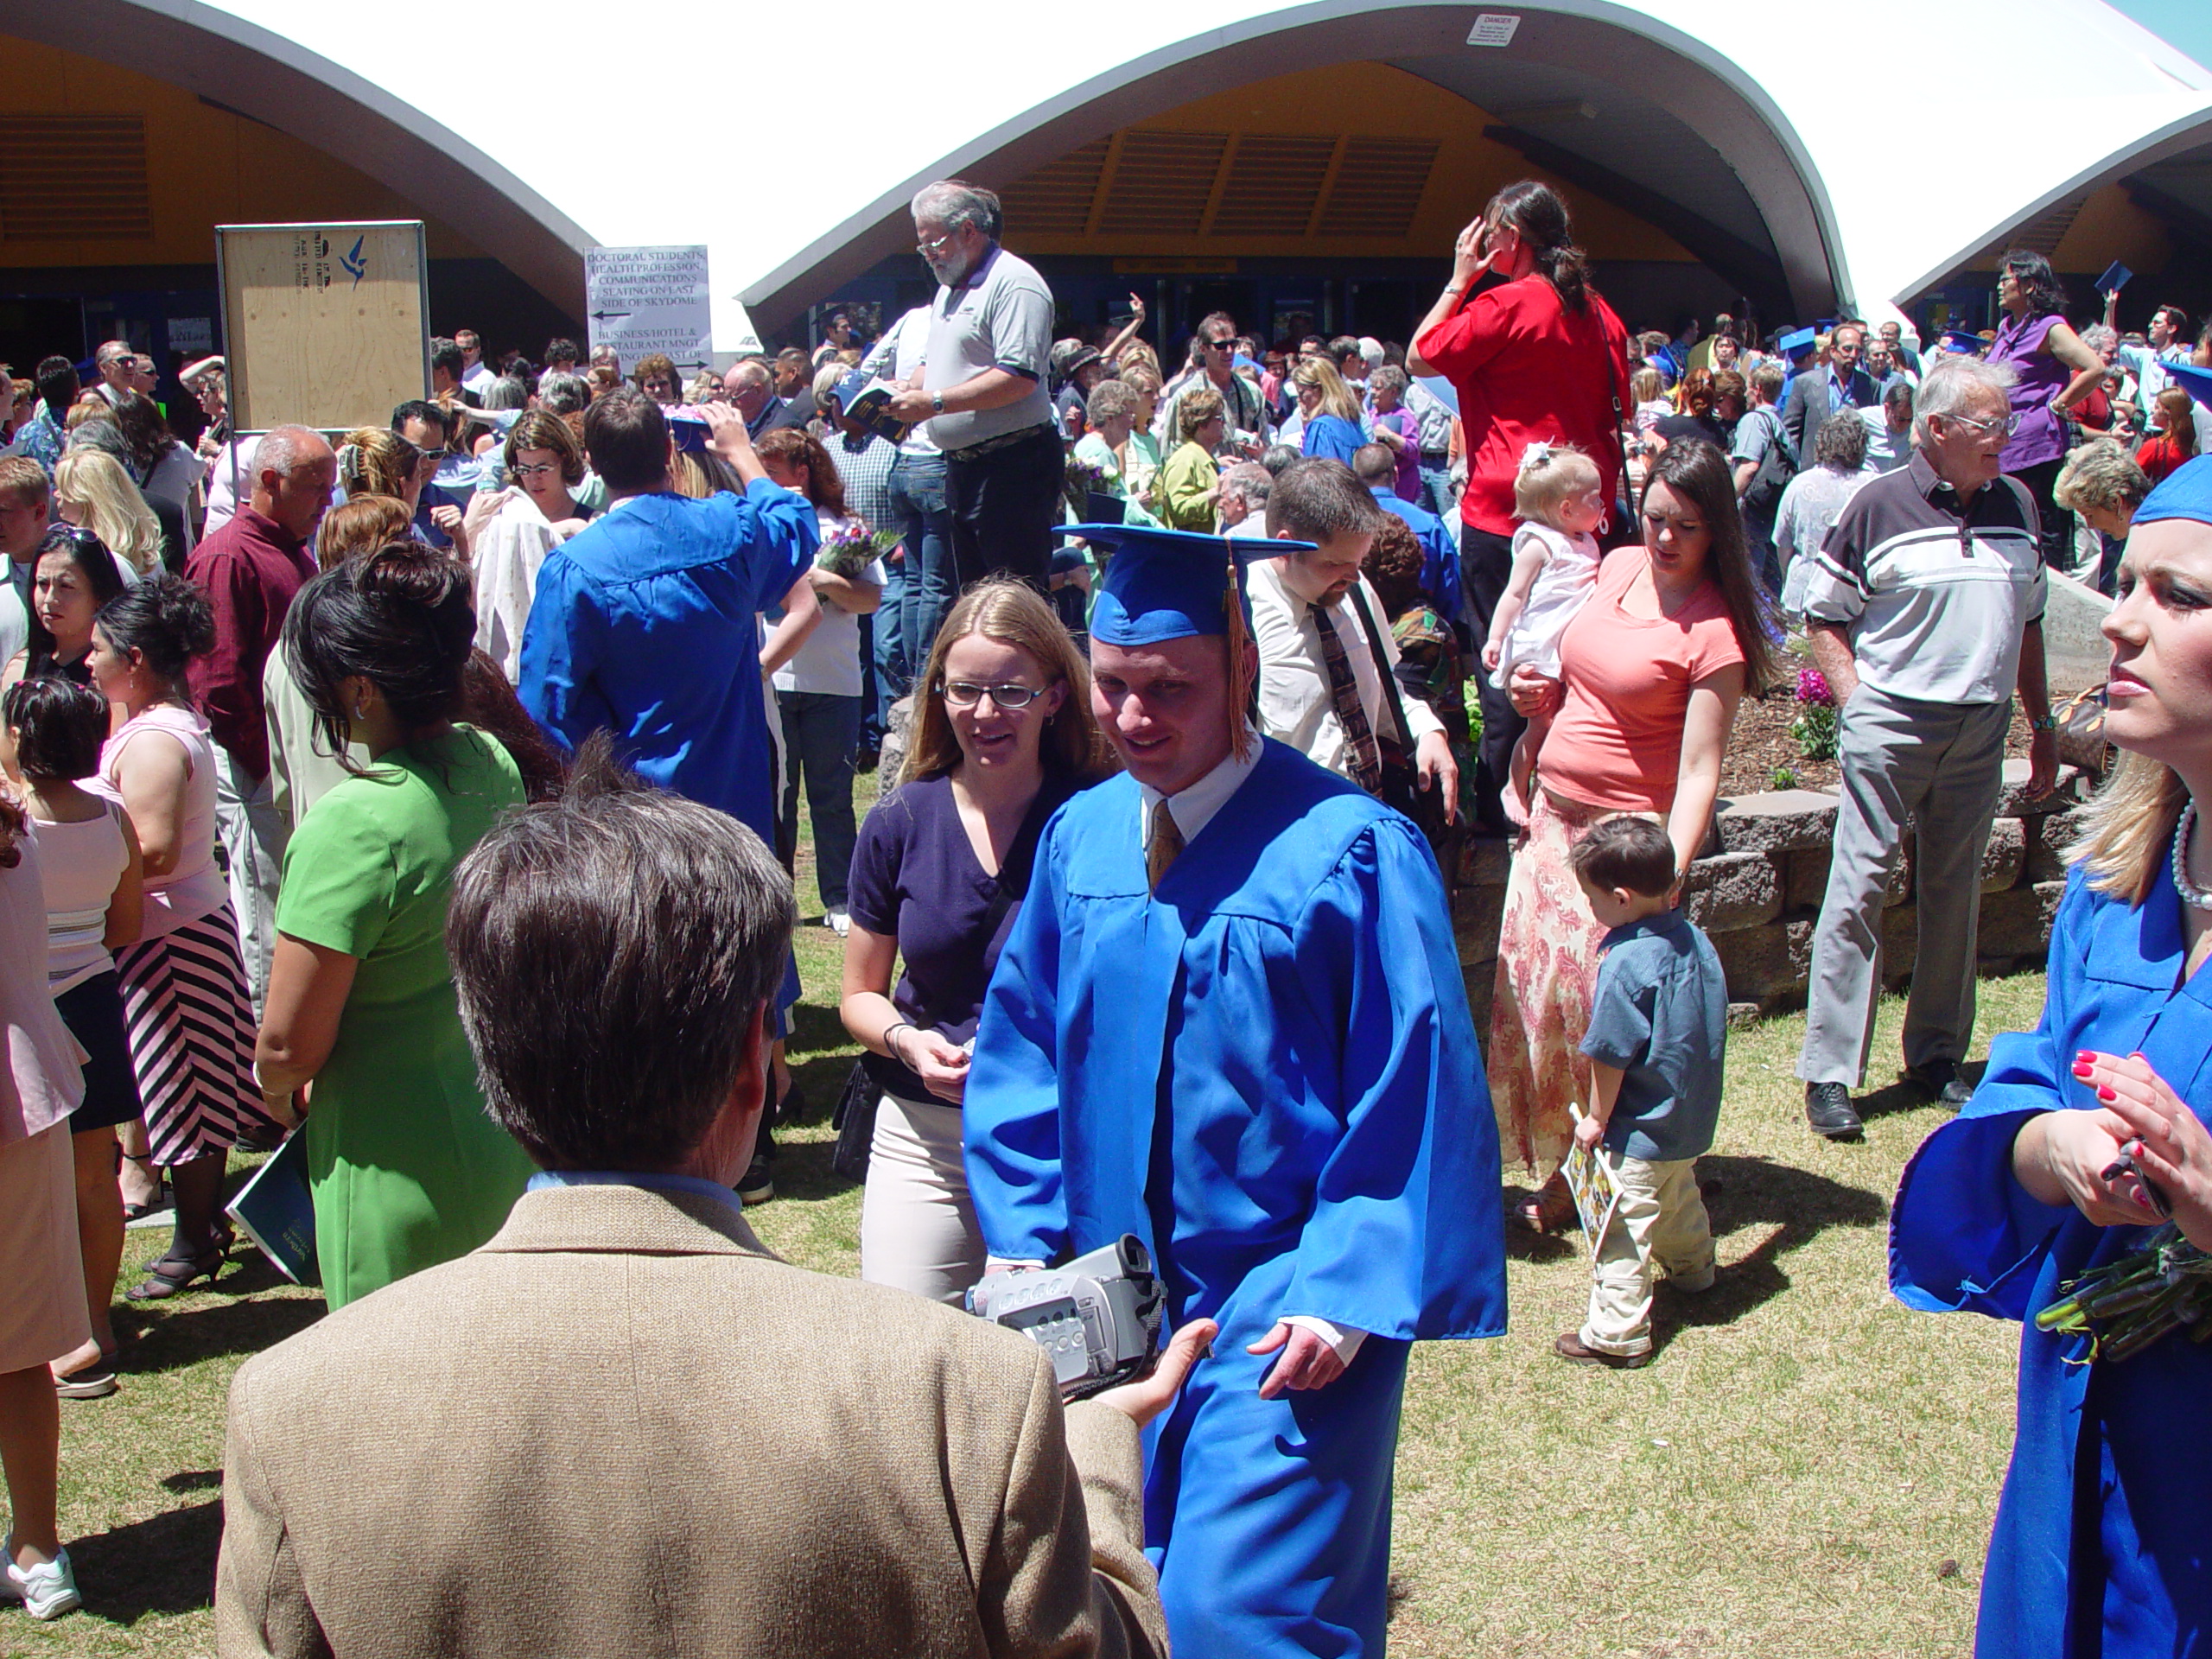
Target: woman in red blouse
pixel 2175 442
pixel 1536 357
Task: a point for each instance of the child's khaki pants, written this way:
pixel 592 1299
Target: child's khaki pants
pixel 1660 1224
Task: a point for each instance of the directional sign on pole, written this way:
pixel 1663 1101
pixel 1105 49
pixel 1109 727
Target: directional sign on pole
pixel 642 300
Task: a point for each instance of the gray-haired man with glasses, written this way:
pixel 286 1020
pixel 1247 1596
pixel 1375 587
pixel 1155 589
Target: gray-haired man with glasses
pixel 1925 609
pixel 981 388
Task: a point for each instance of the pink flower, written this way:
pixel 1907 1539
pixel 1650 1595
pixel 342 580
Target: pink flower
pixel 1813 687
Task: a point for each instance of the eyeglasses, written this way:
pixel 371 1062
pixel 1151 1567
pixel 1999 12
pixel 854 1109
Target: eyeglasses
pixel 1220 345
pixel 929 245
pixel 535 470
pixel 2008 423
pixel 966 693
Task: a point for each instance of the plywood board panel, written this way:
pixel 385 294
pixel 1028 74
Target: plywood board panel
pixel 326 325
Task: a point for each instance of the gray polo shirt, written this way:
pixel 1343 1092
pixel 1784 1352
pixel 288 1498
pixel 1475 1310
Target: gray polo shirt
pixel 1000 318
pixel 1933 593
pixel 1659 1016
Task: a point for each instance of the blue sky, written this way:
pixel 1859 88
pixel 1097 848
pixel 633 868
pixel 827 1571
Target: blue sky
pixel 2187 23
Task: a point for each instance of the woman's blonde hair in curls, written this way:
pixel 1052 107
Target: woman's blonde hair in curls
pixel 1013 614
pixel 1548 474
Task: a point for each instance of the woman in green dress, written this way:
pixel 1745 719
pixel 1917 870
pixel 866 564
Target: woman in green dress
pixel 406 1169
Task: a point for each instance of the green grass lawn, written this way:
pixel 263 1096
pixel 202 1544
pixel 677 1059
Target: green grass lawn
pixel 1806 1468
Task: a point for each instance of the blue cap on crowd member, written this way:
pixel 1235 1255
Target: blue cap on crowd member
pixel 1797 342
pixel 2198 382
pixel 1167 584
pixel 1959 343
pixel 2186 491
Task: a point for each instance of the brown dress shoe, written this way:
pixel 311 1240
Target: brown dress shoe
pixel 1572 1347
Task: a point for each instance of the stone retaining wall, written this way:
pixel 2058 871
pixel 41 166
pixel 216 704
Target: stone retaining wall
pixel 1757 891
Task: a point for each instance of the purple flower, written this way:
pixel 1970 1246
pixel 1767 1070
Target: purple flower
pixel 1813 687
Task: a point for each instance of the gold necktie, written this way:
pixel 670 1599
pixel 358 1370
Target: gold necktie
pixel 1166 841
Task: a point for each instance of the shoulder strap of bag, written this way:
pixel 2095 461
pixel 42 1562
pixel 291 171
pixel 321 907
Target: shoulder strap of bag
pixel 1382 668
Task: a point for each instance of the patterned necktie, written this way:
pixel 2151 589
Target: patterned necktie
pixel 1166 841
pixel 1351 713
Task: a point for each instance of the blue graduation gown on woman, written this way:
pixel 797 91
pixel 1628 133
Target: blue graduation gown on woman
pixel 1267 1072
pixel 2102 1534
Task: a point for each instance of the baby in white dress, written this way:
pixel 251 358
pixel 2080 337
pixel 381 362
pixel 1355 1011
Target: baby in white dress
pixel 1560 498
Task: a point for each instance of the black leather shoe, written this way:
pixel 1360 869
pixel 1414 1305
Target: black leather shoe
pixel 1828 1109
pixel 1941 1078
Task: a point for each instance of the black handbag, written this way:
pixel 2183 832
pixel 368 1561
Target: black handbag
pixel 1400 788
pixel 855 1121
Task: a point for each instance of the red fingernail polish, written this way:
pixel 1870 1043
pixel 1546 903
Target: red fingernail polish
pixel 2084 1054
pixel 2105 1093
pixel 2083 1069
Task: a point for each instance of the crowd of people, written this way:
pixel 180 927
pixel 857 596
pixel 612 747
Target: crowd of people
pixel 430 792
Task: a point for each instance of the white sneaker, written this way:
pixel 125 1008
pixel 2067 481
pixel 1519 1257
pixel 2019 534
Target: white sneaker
pixel 837 922
pixel 47 1591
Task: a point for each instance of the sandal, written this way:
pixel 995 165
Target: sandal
pixel 154 1206
pixel 167 1277
pixel 1550 1209
pixel 93 1381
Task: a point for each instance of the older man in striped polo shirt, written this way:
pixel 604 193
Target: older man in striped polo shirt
pixel 1925 607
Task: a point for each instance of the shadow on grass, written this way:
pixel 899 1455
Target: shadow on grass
pixel 1796 1204
pixel 802 1170
pixel 164 1564
pixel 1903 1095
pixel 230 1321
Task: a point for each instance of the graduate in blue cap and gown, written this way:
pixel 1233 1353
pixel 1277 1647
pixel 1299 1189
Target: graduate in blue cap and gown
pixel 1230 1020
pixel 2102 1544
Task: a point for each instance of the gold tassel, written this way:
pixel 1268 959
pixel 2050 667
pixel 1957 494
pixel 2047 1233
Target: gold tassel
pixel 1242 669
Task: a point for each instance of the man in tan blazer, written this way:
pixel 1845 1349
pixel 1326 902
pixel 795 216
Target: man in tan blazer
pixel 622 1427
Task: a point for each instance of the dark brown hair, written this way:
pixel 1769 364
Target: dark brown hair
pixel 1626 852
pixel 1699 473
pixel 401 618
pixel 626 437
pixel 1534 210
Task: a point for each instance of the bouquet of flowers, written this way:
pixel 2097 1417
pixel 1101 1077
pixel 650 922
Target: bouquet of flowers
pixel 2163 1285
pixel 1084 479
pixel 1815 728
pixel 852 547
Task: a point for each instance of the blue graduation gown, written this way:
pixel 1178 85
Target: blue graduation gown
pixel 2101 1543
pixel 1266 1072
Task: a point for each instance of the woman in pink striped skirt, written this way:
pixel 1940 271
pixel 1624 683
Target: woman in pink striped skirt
pixel 184 994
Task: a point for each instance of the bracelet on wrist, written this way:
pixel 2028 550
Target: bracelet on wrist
pixel 891 1048
pixel 2042 723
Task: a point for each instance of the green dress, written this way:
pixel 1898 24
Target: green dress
pixel 406 1168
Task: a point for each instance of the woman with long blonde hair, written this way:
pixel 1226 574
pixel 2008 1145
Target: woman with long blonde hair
pixel 90 490
pixel 2085 1134
pixel 1331 411
pixel 1003 734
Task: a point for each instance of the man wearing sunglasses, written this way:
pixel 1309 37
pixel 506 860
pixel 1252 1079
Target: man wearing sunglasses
pixel 1248 427
pixel 1925 609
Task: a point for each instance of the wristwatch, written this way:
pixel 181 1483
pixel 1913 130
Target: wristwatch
pixel 936 402
pixel 2047 724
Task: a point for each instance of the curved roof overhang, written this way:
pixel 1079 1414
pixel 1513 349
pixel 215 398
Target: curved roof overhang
pixel 1693 83
pixel 257 73
pixel 2175 138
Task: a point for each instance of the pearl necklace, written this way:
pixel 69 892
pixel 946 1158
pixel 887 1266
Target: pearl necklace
pixel 2192 895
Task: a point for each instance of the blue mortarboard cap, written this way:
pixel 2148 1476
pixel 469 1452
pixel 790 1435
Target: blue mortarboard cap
pixel 1797 341
pixel 1962 344
pixel 1165 584
pixel 2186 493
pixel 2196 382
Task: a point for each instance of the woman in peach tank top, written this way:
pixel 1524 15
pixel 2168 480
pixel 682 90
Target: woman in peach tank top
pixel 1651 672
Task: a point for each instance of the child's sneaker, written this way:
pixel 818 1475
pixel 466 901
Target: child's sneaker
pixel 47 1591
pixel 1571 1347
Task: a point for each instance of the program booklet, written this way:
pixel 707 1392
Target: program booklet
pixel 276 1211
pixel 1591 1180
pixel 866 403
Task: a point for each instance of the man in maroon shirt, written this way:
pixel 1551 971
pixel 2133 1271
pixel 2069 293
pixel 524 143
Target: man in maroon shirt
pixel 251 568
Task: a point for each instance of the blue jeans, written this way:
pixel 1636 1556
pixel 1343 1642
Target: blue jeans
pixel 922 580
pixel 820 730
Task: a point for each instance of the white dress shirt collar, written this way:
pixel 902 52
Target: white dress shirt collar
pixel 1193 807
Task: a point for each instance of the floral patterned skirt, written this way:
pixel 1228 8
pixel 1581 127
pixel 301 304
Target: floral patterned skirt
pixel 1547 965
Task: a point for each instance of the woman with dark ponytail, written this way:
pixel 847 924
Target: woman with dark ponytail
pixel 1537 358
pixel 406 1169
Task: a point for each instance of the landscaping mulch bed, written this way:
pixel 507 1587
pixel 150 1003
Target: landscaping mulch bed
pixel 1761 745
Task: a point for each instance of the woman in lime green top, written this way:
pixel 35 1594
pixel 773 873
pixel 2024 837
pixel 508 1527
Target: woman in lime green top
pixel 1189 484
pixel 406 1169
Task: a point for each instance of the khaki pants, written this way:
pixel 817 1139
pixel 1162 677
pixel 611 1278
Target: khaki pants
pixel 1660 1220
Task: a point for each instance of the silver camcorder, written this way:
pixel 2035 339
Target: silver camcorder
pixel 1098 1317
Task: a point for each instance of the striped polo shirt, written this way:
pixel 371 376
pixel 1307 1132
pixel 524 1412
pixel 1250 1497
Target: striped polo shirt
pixel 1933 593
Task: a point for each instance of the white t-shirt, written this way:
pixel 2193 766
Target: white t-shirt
pixel 829 662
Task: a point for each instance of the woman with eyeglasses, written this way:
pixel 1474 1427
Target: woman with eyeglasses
pixel 534 515
pixel 1003 735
